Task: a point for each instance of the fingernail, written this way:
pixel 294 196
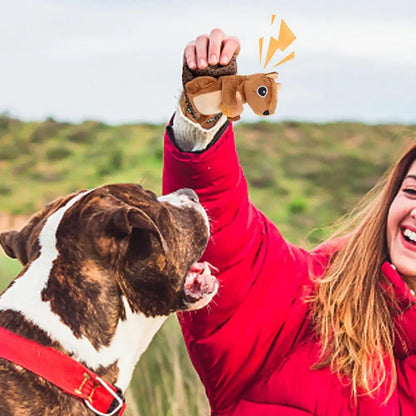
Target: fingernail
pixel 202 63
pixel 224 60
pixel 213 59
pixel 192 65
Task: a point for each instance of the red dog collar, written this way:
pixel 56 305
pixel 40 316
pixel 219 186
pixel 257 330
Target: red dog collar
pixel 64 372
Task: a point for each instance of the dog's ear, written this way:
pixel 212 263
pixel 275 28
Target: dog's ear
pixel 22 245
pixel 14 246
pixel 125 221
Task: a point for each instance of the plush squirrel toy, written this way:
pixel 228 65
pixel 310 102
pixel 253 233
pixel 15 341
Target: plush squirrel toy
pixel 218 90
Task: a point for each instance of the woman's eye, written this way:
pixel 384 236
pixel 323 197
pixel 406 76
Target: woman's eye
pixel 410 191
pixel 262 91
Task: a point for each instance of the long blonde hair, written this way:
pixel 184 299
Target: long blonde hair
pixel 353 317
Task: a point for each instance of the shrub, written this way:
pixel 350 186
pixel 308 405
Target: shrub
pixel 57 153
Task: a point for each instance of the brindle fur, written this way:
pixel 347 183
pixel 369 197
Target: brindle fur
pixel 116 240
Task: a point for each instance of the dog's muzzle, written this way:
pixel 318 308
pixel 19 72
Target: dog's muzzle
pixel 200 283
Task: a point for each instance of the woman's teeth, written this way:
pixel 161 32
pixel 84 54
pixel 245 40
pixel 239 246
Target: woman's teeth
pixel 410 235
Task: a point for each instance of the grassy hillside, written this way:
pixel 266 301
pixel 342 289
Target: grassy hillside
pixel 302 175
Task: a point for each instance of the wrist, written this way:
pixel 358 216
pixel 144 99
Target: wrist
pixel 205 121
pixel 190 135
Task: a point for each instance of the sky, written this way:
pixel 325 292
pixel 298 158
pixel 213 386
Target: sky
pixel 119 61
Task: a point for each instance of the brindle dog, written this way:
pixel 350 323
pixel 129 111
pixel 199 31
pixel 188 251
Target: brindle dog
pixel 102 271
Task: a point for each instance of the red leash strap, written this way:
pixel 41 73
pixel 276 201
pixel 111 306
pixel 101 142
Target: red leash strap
pixel 64 372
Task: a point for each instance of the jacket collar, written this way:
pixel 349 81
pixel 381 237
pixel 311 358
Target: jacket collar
pixel 405 319
pixel 401 291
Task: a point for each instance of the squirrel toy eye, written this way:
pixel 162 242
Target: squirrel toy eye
pixel 262 91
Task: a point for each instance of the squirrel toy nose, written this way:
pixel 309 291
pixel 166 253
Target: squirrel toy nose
pixel 266 113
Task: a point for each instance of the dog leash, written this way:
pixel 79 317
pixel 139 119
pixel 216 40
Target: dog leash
pixel 64 372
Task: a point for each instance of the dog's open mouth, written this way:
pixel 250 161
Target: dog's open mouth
pixel 200 282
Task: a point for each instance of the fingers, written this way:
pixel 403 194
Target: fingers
pixel 190 55
pixel 196 53
pixel 230 47
pixel 215 42
pixel 201 47
pixel 213 49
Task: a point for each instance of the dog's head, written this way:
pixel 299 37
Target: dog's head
pixel 148 246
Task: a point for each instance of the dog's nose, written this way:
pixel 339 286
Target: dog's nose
pixel 190 193
pixel 266 113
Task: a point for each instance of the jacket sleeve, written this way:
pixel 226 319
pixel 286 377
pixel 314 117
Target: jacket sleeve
pixel 259 311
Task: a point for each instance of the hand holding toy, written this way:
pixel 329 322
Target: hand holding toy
pixel 212 87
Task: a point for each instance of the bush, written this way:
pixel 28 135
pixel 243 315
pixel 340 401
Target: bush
pixel 45 131
pixel 80 135
pixel 57 153
pixel 5 189
pixel 298 205
pixel 9 151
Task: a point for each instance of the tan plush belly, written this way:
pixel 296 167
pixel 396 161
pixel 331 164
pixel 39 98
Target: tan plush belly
pixel 208 103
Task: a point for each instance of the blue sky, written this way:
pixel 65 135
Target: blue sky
pixel 120 61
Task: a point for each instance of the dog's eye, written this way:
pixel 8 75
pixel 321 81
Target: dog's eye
pixel 262 91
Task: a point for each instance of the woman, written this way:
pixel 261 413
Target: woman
pixel 291 333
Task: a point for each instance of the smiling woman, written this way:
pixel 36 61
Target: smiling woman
pixel 354 279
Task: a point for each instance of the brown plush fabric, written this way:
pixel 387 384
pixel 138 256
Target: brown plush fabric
pixel 215 71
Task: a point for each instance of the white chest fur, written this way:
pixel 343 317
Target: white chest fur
pixel 132 335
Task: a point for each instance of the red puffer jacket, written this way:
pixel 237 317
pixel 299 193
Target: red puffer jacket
pixel 253 346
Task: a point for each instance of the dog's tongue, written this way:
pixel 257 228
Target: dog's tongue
pixel 199 281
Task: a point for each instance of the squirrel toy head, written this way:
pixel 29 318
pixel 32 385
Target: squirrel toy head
pixel 260 92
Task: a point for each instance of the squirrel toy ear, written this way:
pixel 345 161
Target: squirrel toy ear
pixel 272 75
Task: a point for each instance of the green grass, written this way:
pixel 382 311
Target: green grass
pixel 9 268
pixel 302 175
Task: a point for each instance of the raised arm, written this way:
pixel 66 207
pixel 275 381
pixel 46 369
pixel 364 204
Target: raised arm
pixel 263 279
pixel 205 159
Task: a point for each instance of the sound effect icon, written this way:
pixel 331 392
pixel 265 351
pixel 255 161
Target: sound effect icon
pixel 284 39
